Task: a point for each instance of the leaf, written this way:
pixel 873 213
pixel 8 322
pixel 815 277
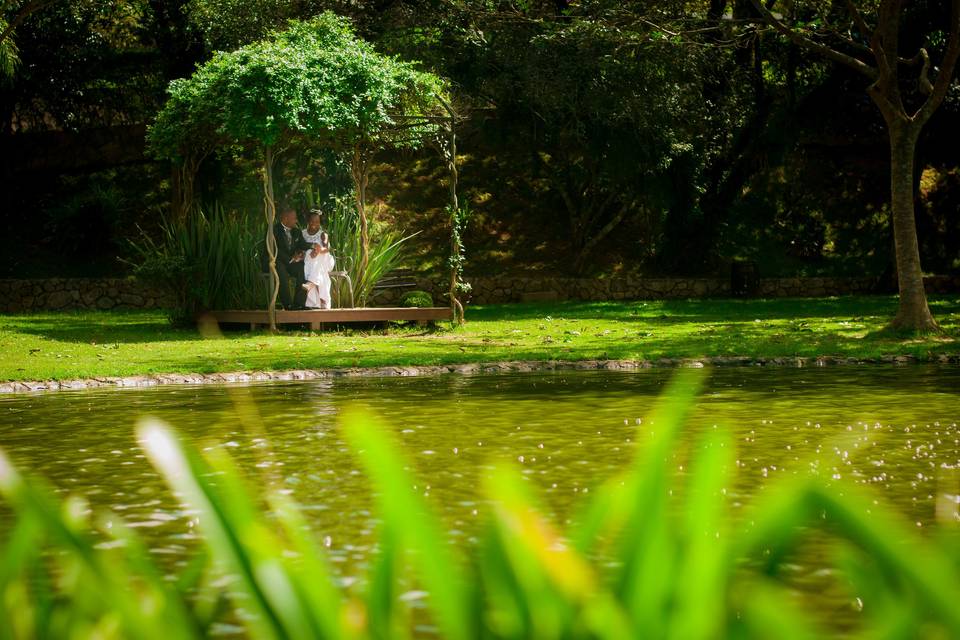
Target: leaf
pixel 419 529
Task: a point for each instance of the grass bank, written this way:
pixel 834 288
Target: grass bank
pixel 68 345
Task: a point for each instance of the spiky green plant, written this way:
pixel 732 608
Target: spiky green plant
pixel 386 249
pixel 9 52
pixel 207 261
pixel 636 563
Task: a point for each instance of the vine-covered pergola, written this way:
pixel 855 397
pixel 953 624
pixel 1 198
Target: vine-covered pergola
pixel 312 85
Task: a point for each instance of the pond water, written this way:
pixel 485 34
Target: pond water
pixel 893 428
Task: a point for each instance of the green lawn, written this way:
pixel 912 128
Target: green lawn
pixel 67 345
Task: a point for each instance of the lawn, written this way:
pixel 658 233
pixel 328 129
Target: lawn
pixel 67 345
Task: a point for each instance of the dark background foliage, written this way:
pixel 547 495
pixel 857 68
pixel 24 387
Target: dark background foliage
pixel 602 137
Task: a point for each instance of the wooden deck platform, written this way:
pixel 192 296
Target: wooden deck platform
pixel 316 318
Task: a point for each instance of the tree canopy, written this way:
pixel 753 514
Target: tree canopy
pixel 314 79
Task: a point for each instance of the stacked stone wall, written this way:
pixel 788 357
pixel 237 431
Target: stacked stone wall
pixel 494 289
pixel 18 296
pixel 53 294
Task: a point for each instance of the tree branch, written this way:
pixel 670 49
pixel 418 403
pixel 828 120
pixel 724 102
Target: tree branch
pixel 947 67
pixel 926 87
pixel 884 44
pixel 600 235
pixel 22 15
pixel 803 41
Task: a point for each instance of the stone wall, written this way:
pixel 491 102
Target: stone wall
pixel 489 290
pixel 118 293
pixel 52 294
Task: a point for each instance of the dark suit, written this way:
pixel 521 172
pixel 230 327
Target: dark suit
pixel 287 247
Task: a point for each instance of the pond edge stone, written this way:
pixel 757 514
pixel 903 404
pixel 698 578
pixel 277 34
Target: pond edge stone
pixel 522 366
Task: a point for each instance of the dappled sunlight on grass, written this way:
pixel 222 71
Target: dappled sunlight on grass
pixel 91 344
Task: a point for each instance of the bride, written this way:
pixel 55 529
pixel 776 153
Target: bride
pixel 317 263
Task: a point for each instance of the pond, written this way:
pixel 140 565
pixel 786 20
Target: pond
pixel 893 428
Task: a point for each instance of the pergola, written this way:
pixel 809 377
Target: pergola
pixel 314 83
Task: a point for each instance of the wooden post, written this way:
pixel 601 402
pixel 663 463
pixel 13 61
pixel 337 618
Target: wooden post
pixel 270 212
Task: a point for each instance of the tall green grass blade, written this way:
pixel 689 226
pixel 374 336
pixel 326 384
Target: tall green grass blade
pixel 605 512
pixel 897 549
pixel 769 612
pixel 705 569
pixel 561 589
pixel 387 621
pixel 886 616
pixel 169 602
pixel 104 586
pixel 310 571
pixel 20 548
pixel 406 513
pixel 645 548
pixel 508 613
pixel 232 534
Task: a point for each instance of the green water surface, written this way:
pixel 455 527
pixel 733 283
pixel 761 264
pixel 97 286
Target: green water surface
pixel 892 428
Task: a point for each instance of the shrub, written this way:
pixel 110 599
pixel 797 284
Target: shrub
pixel 416 299
pixel 386 249
pixel 205 261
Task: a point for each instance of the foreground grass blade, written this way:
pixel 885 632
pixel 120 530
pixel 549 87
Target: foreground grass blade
pixel 646 549
pixel 562 591
pixel 768 612
pixel 405 512
pixel 104 582
pixel 234 535
pixel 898 549
pixel 706 567
pixel 313 578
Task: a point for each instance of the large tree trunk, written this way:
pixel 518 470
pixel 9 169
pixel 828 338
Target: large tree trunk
pixel 270 213
pixel 903 125
pixel 913 312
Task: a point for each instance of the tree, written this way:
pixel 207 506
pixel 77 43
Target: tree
pixel 9 57
pixel 315 81
pixel 876 56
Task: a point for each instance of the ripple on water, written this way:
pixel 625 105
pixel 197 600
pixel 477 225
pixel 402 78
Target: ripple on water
pixel 568 431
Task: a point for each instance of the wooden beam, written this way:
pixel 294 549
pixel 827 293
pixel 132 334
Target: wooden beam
pixel 315 318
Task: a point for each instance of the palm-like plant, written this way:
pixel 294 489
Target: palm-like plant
pixel 386 250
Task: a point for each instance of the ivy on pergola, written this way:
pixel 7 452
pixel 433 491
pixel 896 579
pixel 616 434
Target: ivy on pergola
pixel 313 83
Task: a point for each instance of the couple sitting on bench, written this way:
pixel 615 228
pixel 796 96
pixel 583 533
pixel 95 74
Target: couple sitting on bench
pixel 304 257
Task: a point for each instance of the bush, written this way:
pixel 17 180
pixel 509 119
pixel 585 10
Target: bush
pixel 206 262
pixel 343 225
pixel 416 299
pixel 635 563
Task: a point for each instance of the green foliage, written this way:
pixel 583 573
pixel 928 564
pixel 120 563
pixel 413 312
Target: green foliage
pixel 314 79
pixel 458 255
pixel 9 53
pixel 227 24
pixel 416 299
pixel 652 553
pixel 386 250
pixel 205 261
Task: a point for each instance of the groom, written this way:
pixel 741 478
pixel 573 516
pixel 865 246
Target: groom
pixel 290 248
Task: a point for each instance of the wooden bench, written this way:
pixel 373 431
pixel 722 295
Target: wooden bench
pixel 397 279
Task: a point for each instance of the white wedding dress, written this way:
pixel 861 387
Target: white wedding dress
pixel 316 271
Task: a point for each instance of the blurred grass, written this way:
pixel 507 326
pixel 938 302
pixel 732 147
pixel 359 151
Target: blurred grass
pixel 69 345
pixel 652 554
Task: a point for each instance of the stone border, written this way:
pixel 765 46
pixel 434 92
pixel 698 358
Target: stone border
pixel 527 366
